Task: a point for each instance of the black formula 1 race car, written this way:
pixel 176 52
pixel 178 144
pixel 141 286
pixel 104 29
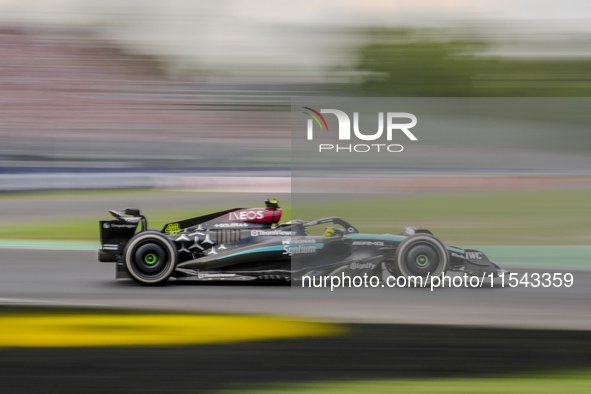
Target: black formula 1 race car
pixel 249 244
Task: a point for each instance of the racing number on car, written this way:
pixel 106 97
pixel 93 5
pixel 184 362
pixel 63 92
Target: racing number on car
pixel 173 228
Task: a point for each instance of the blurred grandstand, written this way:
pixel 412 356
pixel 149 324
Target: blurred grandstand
pixel 73 104
pixel 82 109
pixel 69 98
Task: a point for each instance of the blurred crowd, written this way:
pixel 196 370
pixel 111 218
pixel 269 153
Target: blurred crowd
pixel 194 84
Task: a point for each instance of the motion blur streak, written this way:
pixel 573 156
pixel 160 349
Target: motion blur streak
pixel 75 329
pixel 180 84
pixel 70 99
pixel 196 95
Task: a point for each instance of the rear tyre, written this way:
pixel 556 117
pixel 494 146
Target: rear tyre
pixel 150 258
pixel 419 258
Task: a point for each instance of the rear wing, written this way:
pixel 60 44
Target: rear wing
pixel 116 233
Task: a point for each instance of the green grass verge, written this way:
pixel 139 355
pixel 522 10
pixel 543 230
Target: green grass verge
pixel 537 217
pixel 70 194
pixel 87 228
pixel 578 382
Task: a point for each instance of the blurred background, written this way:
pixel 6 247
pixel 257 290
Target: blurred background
pixel 128 87
pixel 184 107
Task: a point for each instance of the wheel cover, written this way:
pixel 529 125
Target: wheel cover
pixel 422 257
pixel 149 260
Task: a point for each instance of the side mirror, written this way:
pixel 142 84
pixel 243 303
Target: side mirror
pixel 131 211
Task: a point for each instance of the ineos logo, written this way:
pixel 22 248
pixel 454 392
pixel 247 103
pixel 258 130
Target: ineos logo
pixel 247 215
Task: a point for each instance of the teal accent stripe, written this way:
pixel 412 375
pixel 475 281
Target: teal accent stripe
pixel 396 238
pixel 276 248
pixel 451 248
pixel 317 245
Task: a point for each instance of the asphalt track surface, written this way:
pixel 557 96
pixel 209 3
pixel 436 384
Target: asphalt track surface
pixel 429 335
pixel 75 278
pixel 366 352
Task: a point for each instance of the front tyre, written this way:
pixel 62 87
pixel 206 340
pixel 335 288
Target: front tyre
pixel 419 258
pixel 150 258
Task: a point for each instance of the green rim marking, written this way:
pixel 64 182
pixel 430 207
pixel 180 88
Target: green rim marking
pixel 422 264
pixel 150 259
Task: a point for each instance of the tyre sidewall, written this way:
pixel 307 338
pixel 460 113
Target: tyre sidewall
pixel 150 237
pixel 409 243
